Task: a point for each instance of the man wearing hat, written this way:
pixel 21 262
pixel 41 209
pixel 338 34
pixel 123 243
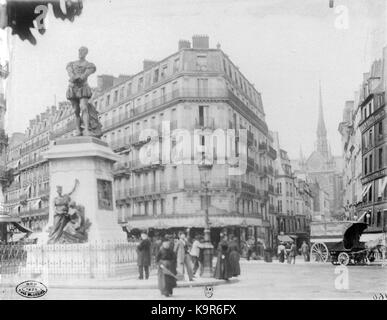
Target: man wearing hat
pixel 144 256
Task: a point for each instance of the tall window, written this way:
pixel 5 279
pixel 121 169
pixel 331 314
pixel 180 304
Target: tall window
pixel 174 205
pixel 203 87
pixel 156 76
pixel 140 84
pixel 370 159
pixel 380 160
pixel 129 89
pixel 176 64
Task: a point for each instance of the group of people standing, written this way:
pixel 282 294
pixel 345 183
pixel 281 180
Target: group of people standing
pixel 289 252
pixel 177 258
pixel 227 263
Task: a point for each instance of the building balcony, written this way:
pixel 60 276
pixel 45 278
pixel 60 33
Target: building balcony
pixel 272 209
pixel 34 212
pixel 262 147
pixel 272 153
pixel 187 94
pixel 70 126
pixel 250 138
pixel 115 121
pixel 250 164
pixel 204 124
pixel 32 162
pixel 34 146
pixel 139 166
pixel 262 171
pixel 120 144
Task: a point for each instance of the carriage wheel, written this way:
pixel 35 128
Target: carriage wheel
pixel 319 252
pixel 343 258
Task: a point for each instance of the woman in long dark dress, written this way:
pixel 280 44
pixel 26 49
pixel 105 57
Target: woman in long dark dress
pixel 166 260
pixel 222 269
pixel 234 257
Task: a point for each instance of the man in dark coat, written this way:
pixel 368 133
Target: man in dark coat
pixel 234 257
pixel 144 256
pixel 222 268
pixel 166 276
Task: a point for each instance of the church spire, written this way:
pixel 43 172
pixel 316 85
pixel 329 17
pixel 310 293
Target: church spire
pixel 321 130
pixel 322 143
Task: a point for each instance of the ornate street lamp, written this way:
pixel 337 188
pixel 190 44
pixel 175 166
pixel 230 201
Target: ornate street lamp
pixel 207 247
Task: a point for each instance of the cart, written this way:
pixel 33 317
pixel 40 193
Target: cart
pixel 340 243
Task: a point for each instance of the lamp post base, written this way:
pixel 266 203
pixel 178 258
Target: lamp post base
pixel 208 250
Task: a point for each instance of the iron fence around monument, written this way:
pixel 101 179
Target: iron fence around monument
pixel 70 261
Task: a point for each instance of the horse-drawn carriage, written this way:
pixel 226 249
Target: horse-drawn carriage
pixel 343 242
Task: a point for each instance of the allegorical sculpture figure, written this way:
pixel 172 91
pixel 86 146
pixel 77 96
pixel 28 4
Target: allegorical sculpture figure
pixel 79 93
pixel 70 225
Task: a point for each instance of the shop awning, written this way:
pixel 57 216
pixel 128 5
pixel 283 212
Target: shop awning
pixel 17 237
pixel 192 222
pixel 382 185
pixel 365 190
pixel 285 238
pixel 21 227
pixel 8 219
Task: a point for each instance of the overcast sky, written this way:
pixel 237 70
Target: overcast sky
pixel 284 47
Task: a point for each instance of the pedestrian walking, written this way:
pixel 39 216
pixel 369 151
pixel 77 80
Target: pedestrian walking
pixel 222 268
pixel 288 247
pixel 234 257
pixel 293 253
pixel 250 243
pixel 194 253
pixel 305 251
pixel 201 255
pixel 166 276
pixel 144 256
pixel 183 258
pixel 281 252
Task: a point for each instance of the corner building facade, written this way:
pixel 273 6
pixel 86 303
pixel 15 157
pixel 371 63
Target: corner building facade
pixel 200 89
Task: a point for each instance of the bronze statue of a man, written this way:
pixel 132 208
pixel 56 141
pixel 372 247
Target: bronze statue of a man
pixel 79 93
pixel 61 217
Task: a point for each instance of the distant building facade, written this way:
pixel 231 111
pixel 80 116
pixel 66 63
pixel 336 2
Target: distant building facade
pixel 373 129
pixel 352 156
pixel 294 199
pixel 322 167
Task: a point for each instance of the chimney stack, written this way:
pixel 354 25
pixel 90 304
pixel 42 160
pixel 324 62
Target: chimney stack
pixel 184 44
pixel 200 42
pixel 147 64
pixel 105 81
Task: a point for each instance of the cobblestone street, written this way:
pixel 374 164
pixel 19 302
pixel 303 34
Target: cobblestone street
pixel 258 281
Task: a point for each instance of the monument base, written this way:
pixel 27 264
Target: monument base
pixel 88 160
pixel 91 245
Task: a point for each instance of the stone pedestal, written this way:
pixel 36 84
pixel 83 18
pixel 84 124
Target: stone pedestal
pixel 89 160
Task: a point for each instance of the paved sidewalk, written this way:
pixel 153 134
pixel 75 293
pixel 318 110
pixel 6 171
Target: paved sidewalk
pixel 115 283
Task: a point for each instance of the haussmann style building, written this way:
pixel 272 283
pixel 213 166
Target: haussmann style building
pixel 197 90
